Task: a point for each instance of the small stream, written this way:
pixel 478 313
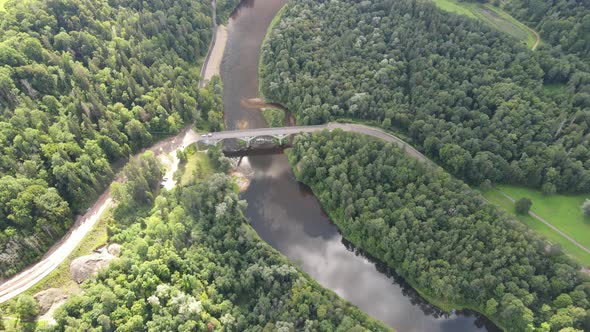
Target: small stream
pixel 287 215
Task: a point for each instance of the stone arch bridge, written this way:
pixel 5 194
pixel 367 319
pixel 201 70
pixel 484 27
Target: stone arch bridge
pixel 281 133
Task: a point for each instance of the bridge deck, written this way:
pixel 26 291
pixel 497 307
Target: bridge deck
pixel 249 134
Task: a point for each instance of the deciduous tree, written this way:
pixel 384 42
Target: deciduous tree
pixel 523 205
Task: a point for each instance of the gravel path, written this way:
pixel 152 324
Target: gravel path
pixel 536 216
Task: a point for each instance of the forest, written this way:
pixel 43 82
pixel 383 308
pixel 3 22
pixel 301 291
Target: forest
pixel 442 237
pixel 561 23
pixel 471 98
pixel 211 106
pixel 192 261
pixel 84 84
pixel 225 8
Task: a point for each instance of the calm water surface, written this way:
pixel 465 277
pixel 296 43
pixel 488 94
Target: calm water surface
pixel 288 216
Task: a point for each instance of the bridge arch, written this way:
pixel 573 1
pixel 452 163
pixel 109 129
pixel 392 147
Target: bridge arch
pixel 249 140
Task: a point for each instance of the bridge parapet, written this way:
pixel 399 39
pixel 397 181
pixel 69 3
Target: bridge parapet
pixel 247 135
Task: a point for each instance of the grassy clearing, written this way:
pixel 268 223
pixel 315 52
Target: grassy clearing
pixel 492 16
pixel 555 88
pixel 454 7
pixel 444 305
pixel 197 165
pixel 501 20
pixel 559 210
pixel 273 117
pixel 562 211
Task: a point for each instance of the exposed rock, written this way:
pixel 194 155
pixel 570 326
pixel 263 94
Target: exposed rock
pixel 87 266
pixel 48 316
pixel 114 249
pixel 252 103
pixel 241 180
pixel 48 298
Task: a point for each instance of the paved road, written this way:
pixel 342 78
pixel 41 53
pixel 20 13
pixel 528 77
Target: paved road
pixel 536 216
pixel 61 250
pixel 84 224
pixel 164 149
pixel 361 129
pixel 357 128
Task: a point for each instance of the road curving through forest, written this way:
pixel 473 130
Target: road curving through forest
pixel 537 37
pixel 165 150
pixel 84 224
pixel 60 251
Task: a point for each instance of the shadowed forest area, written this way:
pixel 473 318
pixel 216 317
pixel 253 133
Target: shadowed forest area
pixel 454 247
pixel 470 97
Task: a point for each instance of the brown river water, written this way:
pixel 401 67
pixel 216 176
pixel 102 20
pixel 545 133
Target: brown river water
pixel 288 216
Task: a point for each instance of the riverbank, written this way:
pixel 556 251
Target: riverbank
pixel 241 181
pixel 337 217
pixel 261 66
pixel 274 117
pixel 266 107
pixel 270 112
pixel 289 217
pixel 213 64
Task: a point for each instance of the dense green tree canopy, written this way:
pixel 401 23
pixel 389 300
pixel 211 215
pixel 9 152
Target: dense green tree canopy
pixel 470 97
pixel 26 308
pixel 442 237
pixel 211 105
pixel 141 180
pixel 194 264
pixel 562 23
pixel 225 8
pixel 84 83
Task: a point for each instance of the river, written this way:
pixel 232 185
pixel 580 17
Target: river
pixel 288 216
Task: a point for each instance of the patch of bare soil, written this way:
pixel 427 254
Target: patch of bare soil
pixel 214 63
pixel 49 300
pixel 241 180
pixel 252 103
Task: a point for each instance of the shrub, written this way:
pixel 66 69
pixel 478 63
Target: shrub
pixel 586 208
pixel 523 205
